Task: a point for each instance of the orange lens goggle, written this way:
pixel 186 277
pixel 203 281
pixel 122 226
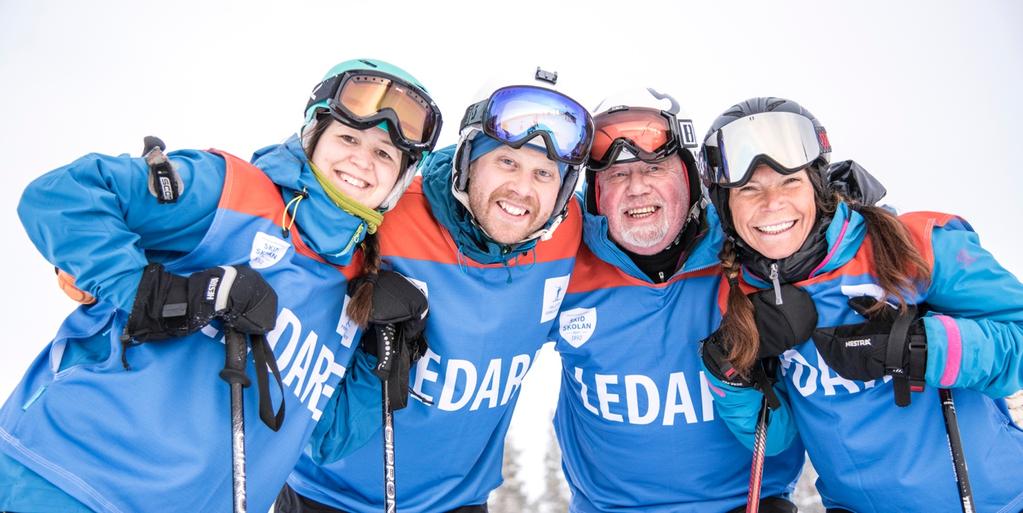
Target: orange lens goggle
pixel 646 134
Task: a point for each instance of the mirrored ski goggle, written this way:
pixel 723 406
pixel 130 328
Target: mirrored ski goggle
pixel 641 133
pixel 364 99
pixel 517 114
pixel 785 141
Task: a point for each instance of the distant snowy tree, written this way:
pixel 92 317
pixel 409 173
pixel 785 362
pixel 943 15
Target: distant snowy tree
pixel 555 490
pixel 510 497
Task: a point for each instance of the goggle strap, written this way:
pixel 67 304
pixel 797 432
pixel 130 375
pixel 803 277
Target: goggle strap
pixel 324 91
pixel 474 114
pixel 687 133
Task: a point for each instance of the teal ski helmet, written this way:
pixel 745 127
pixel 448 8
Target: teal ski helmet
pixel 367 93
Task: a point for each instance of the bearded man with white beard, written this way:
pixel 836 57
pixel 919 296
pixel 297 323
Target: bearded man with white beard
pixel 635 419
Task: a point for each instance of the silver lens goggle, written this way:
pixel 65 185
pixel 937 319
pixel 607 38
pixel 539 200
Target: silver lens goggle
pixel 786 141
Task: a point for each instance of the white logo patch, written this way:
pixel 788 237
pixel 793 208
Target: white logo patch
pixel 345 326
pixel 577 325
pixel 553 294
pixel 267 250
pixel 866 289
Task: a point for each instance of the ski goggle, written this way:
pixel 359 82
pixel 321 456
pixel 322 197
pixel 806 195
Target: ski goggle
pixel 516 114
pixel 786 141
pixel 642 133
pixel 364 99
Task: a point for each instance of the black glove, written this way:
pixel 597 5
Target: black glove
pixel 170 306
pixel 888 343
pixel 780 326
pixel 761 375
pixel 786 325
pixel 398 320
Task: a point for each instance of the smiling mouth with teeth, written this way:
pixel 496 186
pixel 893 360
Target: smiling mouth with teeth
pixel 638 213
pixel 772 229
pixel 512 209
pixel 353 181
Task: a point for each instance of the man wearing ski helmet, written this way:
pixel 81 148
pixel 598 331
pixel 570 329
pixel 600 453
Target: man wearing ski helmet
pixel 488 251
pixel 106 420
pixel 634 419
pixel 896 306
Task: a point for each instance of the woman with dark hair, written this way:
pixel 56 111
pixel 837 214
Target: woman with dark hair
pixel 124 409
pixel 894 304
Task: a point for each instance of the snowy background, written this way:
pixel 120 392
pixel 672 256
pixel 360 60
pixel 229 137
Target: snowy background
pixel 924 94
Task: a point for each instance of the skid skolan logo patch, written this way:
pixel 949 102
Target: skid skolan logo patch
pixel 553 295
pixel 577 324
pixel 267 250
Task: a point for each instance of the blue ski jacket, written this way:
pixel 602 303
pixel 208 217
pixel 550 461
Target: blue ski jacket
pixel 81 430
pixel 490 312
pixel 873 456
pixel 634 419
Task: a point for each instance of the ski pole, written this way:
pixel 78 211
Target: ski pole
pixel 955 446
pixel 756 472
pixel 234 374
pixel 386 349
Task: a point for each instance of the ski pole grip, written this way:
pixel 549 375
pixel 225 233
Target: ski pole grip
pixel 385 335
pixel 234 362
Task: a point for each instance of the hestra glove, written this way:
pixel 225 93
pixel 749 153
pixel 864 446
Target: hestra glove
pixel 171 306
pixel 888 343
pixel 396 336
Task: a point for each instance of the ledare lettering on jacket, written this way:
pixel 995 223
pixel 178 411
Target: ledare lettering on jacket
pixel 642 399
pixel 305 365
pixel 464 385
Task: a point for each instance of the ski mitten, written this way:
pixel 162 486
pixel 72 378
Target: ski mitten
pixel 887 343
pixel 171 306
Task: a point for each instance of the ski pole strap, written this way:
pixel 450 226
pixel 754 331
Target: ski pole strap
pixel 164 181
pixel 759 375
pixel 264 359
pixel 897 340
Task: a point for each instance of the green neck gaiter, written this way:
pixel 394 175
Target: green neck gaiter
pixel 369 215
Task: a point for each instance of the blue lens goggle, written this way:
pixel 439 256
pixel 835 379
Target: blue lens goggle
pixel 516 114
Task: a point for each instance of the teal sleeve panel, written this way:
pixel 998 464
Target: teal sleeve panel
pixel 352 416
pixel 740 409
pixel 975 327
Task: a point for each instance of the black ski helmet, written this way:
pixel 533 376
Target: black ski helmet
pixel 719 194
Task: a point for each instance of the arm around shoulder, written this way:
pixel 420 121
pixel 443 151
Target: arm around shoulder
pixel 96 219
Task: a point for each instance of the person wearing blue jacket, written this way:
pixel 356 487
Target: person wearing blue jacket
pixel 490 254
pixel 124 410
pixel 897 307
pixel 634 419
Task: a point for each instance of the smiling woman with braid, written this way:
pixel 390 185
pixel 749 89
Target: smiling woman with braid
pixel 124 410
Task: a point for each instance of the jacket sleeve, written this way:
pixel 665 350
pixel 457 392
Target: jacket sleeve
pixel 352 416
pixel 96 219
pixel 739 408
pixel 975 327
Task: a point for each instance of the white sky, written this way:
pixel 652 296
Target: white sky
pixel 924 94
